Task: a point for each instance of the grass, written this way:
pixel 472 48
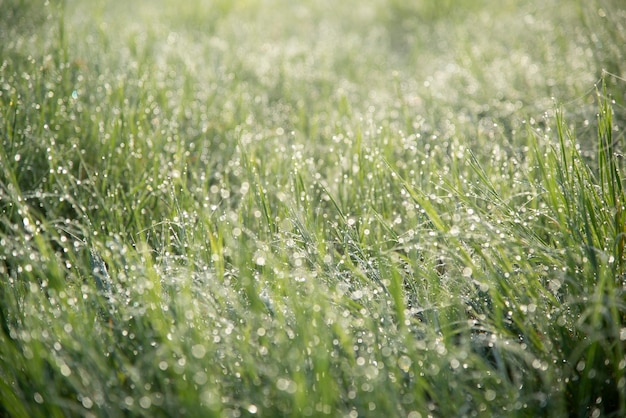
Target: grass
pixel 303 209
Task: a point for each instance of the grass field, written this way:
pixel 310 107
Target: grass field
pixel 316 208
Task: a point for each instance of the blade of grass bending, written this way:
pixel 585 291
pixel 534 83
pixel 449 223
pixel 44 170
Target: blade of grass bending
pixel 334 202
pixel 395 289
pixel 265 207
pixel 103 284
pixel 100 273
pixel 421 200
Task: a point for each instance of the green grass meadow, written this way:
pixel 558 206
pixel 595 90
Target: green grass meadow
pixel 385 208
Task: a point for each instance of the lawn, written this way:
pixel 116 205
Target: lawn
pixel 217 208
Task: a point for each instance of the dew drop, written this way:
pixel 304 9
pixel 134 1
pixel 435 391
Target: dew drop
pixel 198 351
pixel 65 370
pixel 145 402
pixel 490 395
pixel 87 402
pixel 404 363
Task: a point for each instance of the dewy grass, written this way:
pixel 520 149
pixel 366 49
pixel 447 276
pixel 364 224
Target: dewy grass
pixel 279 209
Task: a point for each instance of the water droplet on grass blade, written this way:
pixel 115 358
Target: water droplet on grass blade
pixel 87 402
pixel 198 351
pixel 286 385
pixel 490 395
pixel 145 402
pixel 404 363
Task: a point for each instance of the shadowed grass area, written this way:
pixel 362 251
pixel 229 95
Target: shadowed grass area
pixel 272 208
